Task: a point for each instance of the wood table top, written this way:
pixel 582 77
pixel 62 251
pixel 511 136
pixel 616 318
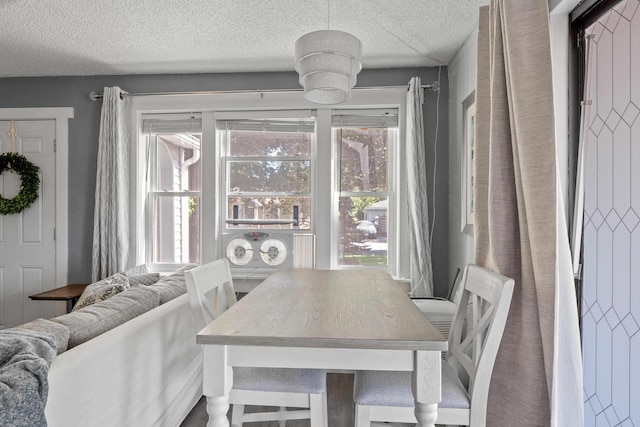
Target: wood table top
pixel 326 309
pixel 61 294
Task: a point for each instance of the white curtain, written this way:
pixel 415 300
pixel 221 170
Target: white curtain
pixel 417 200
pixel 566 392
pixel 520 229
pixel 111 214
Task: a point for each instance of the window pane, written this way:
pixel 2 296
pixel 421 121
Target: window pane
pixel 268 143
pixel 176 229
pixel 178 162
pixel 269 176
pixel 270 208
pixel 362 235
pixel 363 158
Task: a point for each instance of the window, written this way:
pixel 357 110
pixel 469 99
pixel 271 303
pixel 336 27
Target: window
pixel 174 191
pixel 268 171
pixel 235 163
pixel 365 140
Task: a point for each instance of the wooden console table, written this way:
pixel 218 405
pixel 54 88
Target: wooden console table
pixel 69 293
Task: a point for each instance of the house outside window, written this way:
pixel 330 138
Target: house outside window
pixel 173 179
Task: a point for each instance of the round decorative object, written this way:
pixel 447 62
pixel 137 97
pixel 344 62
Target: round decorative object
pixel 29 183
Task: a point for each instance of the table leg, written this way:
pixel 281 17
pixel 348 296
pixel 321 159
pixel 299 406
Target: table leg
pixel 70 304
pixel 426 414
pixel 217 381
pixel 426 385
pixel 217 408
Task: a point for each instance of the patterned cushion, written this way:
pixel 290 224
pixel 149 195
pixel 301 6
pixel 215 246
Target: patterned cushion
pixel 144 279
pixel 102 290
pixel 96 319
pixel 172 286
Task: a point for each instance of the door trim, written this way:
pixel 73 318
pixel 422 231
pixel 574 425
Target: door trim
pixel 61 115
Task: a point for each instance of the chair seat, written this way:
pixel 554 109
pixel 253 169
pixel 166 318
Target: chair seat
pixel 280 380
pixel 384 388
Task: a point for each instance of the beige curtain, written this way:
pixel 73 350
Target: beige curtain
pixel 515 217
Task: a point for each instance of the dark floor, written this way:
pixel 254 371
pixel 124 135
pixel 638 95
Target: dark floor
pixel 339 405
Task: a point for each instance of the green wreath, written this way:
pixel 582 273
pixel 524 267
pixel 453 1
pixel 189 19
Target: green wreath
pixel 29 183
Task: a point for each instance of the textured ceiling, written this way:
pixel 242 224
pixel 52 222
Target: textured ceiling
pixel 94 37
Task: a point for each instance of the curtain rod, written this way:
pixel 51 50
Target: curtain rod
pixel 94 96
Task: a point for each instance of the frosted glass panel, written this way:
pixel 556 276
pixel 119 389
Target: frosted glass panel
pixel 611 290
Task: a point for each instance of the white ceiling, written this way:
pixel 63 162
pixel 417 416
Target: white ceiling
pixel 97 37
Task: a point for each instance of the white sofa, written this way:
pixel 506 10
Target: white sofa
pixel 145 372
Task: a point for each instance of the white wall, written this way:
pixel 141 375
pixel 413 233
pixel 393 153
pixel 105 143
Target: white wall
pixel 462 82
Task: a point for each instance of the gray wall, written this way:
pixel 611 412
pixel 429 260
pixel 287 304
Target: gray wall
pixel 462 80
pixel 83 135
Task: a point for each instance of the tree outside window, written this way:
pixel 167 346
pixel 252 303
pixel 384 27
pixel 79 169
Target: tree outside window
pixel 363 201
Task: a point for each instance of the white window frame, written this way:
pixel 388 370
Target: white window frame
pixel 224 158
pixel 145 178
pixel 152 194
pixel 393 174
pixel 219 105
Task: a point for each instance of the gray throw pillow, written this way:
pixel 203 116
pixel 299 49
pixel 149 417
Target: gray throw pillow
pixel 138 269
pixel 172 286
pixel 144 279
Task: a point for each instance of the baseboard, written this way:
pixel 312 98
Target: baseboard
pixel 187 398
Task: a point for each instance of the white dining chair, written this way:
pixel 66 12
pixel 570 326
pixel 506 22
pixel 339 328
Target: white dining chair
pixel 466 372
pixel 211 292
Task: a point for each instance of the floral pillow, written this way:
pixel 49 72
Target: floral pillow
pixel 102 290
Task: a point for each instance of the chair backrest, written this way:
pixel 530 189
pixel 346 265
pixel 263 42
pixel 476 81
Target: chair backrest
pixel 477 331
pixel 211 292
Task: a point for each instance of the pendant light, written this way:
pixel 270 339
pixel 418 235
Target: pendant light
pixel 328 62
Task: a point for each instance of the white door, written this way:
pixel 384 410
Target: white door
pixel 27 241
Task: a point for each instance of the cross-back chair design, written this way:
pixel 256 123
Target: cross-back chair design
pixel 211 293
pixel 474 340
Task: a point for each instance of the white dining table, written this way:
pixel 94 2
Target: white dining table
pixel 324 319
